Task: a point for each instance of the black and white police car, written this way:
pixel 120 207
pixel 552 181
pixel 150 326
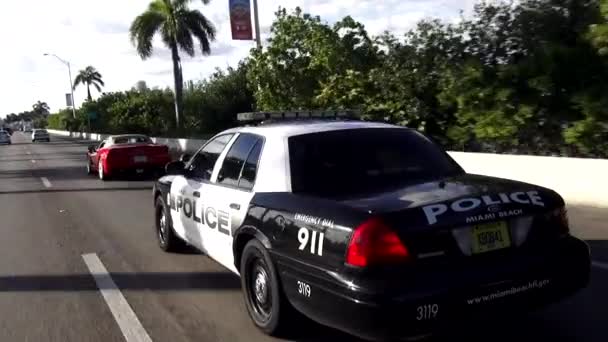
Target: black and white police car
pixel 366 227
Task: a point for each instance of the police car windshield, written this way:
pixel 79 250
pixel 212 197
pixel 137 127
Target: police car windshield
pixel 362 161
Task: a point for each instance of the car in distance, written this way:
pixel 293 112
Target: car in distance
pixel 120 154
pixel 5 137
pixel 40 135
pixel 365 227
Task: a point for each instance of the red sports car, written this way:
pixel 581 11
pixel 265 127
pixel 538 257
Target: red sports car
pixel 126 153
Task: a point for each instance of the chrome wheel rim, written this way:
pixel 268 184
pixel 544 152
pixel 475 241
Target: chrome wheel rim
pixel 162 227
pixel 260 290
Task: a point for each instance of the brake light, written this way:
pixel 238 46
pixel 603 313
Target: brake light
pixel 375 243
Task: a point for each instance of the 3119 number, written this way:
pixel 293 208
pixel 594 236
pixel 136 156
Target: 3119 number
pixel 428 311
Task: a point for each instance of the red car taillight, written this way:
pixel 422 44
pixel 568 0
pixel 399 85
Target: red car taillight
pixel 374 243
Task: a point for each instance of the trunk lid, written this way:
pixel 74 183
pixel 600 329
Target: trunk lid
pixel 447 216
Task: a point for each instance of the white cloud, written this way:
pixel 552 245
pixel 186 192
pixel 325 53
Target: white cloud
pixel 92 32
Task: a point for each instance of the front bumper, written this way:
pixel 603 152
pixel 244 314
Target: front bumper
pixel 531 281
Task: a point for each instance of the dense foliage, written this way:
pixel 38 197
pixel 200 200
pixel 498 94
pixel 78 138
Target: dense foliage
pixel 210 105
pixel 37 116
pixel 527 77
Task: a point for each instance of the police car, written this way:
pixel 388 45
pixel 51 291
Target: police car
pixel 365 227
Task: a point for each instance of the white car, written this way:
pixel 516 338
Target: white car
pixel 40 135
pixel 5 137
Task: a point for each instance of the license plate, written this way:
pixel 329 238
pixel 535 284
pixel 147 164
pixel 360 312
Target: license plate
pixel 139 170
pixel 490 236
pixel 140 159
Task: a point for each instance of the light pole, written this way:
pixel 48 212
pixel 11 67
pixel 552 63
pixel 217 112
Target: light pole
pixel 71 86
pixel 256 21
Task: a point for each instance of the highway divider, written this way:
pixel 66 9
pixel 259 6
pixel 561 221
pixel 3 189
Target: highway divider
pixel 580 181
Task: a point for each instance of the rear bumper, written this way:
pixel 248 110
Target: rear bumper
pixel 541 279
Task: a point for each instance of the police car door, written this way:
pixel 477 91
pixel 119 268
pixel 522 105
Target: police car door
pixel 187 191
pixel 229 194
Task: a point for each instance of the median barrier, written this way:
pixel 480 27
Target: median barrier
pixel 580 181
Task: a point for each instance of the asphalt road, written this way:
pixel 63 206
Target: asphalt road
pixel 52 213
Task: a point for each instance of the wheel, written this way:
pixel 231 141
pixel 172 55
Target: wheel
pixel 167 239
pixel 268 307
pixel 102 175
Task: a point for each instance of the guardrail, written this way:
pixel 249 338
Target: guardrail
pixel 579 180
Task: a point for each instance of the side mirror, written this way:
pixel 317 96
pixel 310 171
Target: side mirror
pixel 175 168
pixel 91 148
pixel 185 158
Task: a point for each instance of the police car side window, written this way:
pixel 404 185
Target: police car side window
pixel 250 168
pixel 235 159
pixel 204 161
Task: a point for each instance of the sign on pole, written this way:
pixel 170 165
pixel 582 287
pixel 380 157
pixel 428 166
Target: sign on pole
pixel 68 100
pixel 240 19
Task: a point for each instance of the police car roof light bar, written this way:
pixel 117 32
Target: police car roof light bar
pixel 309 114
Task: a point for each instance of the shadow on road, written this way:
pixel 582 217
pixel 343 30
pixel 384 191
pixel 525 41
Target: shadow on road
pixel 100 189
pixel 161 281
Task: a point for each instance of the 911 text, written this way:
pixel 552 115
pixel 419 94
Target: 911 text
pixel 315 238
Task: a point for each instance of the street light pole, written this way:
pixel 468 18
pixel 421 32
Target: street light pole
pixel 256 20
pixel 71 85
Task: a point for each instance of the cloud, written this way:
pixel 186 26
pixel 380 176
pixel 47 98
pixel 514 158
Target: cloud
pixel 88 32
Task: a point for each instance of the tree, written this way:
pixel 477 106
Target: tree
pixel 598 32
pixel 177 25
pixel 41 108
pixel 89 76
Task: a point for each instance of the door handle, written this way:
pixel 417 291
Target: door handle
pixel 196 194
pixel 235 206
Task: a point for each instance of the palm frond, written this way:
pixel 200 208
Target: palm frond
pixel 78 80
pixel 201 28
pixel 143 29
pixel 98 80
pixel 96 85
pixel 184 3
pixel 184 39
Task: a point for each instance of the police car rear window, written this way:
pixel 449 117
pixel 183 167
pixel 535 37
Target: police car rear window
pixel 359 161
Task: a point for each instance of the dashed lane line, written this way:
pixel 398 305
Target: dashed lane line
pixel 128 322
pixel 602 265
pixel 46 182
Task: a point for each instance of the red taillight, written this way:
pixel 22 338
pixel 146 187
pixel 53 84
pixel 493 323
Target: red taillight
pixel 374 243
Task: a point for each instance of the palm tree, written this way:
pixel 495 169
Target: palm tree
pixel 41 108
pixel 177 25
pixel 89 76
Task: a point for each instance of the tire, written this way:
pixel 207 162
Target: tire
pixel 101 172
pixel 168 241
pixel 266 303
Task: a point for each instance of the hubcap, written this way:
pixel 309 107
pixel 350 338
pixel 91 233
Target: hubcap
pixel 162 223
pixel 261 288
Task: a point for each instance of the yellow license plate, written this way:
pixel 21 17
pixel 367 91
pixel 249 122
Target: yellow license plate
pixel 490 236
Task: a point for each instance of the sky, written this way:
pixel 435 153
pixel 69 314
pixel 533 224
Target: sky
pixel 93 32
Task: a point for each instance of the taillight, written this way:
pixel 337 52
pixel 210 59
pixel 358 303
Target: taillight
pixel 375 243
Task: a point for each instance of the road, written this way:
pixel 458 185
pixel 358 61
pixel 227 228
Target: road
pixel 53 213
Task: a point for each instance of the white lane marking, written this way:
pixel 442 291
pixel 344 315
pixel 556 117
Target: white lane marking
pixel 33 161
pixel 28 152
pixel 128 322
pixel 601 265
pixel 46 182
